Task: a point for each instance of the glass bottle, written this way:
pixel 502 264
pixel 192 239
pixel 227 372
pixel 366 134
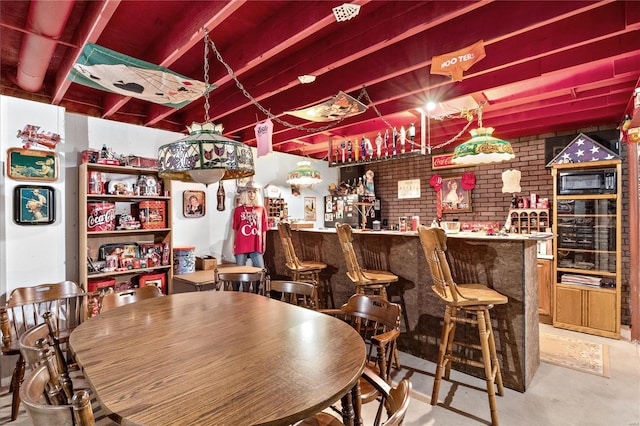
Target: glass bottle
pixel 220 196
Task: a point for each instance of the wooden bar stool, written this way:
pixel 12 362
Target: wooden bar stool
pixel 301 270
pixel 474 300
pixel 367 281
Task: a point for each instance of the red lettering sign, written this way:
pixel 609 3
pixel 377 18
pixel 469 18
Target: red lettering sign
pixel 442 162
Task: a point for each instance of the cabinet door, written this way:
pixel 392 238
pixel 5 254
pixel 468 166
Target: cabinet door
pixel 601 310
pixel 568 306
pixel 544 287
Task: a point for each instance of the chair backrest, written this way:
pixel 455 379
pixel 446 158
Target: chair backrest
pixel 113 300
pixel 250 281
pixel 291 259
pixel 27 343
pixel 434 245
pixel 32 394
pixel 372 317
pixel 38 347
pixel 354 272
pixel 26 306
pixel 297 293
pixel 395 399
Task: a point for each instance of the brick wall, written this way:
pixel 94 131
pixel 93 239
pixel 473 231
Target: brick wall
pixel 488 202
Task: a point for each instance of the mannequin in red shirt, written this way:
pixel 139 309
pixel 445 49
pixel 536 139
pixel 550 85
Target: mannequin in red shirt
pixel 250 226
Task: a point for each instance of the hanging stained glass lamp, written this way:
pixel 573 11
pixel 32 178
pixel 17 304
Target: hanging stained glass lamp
pixel 303 174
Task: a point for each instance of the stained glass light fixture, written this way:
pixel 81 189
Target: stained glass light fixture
pixel 205 156
pixel 304 174
pixel 482 148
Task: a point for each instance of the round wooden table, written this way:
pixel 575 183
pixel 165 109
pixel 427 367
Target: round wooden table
pixel 217 358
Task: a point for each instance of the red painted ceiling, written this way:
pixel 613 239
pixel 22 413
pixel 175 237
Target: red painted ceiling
pixel 549 66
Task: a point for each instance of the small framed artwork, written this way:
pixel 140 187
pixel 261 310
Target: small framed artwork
pixel 453 197
pixel 310 209
pixel 32 164
pixel 194 203
pixel 34 205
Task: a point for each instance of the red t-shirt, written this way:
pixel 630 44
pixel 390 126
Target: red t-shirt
pixel 249 223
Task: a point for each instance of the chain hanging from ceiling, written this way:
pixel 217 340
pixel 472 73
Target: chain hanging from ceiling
pixel 363 94
pixel 468 114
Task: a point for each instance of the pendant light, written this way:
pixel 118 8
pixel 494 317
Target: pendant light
pixel 205 156
pixel 482 148
pixel 304 175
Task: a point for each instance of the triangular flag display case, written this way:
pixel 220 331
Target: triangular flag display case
pixel 587 238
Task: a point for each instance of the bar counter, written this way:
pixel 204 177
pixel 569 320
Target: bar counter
pixel 504 263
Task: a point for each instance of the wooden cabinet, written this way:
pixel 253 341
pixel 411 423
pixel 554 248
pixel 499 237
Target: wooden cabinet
pixel 587 256
pixel 124 228
pixel 545 294
pixel 526 221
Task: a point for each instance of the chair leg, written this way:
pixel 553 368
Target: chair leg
pixel 451 335
pixel 16 381
pixel 494 355
pixel 444 343
pixel 485 336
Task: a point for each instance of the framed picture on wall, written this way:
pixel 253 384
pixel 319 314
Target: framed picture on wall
pixel 453 197
pixel 32 164
pixel 194 203
pixel 310 209
pixel 34 205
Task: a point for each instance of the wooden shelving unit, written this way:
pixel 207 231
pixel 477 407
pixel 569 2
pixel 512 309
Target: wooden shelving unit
pixel 587 251
pixel 91 241
pixel 526 221
pixel 276 210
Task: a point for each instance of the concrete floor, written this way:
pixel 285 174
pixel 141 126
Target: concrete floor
pixel 556 396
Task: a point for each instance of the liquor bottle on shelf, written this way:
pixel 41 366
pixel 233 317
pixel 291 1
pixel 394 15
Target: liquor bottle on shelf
pixel 343 148
pixel 403 138
pixel 349 150
pixel 363 148
pixel 378 145
pixel 356 151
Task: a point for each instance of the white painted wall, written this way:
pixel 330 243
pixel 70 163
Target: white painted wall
pixel 30 254
pixel 48 253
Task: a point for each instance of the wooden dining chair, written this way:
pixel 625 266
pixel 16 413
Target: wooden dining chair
pixel 297 293
pixel 466 303
pixel 367 281
pixel 300 270
pixel 25 308
pixel 395 400
pixel 37 398
pixel 113 300
pixel 253 282
pixel 378 322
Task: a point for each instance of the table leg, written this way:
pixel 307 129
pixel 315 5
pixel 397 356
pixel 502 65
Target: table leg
pixel 352 411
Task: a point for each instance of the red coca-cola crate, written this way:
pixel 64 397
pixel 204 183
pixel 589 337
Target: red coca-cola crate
pixel 152 214
pixel 101 216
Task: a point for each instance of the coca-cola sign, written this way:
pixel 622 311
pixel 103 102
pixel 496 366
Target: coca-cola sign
pixel 101 217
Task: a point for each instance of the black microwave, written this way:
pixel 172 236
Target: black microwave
pixel 588 181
